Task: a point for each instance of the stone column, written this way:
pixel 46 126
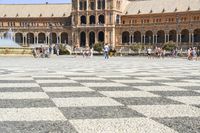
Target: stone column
pixel 153 39
pixel 96 7
pixel 47 39
pixel 60 40
pixel 180 38
pixel 23 40
pixel 156 39
pixel 96 37
pixel 141 38
pixel 165 38
pixel 190 36
pixel 57 39
pixel 78 6
pixel 87 7
pixel 144 39
pixel 192 39
pixel 133 39
pixel 87 39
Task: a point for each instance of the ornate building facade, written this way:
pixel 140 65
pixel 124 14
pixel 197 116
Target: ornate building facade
pixel 117 22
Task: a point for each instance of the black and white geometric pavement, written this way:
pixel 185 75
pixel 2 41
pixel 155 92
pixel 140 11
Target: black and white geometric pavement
pixel 120 95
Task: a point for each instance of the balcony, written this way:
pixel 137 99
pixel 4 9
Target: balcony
pixel 90 25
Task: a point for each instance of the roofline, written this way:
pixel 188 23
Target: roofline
pixel 39 4
pixel 165 13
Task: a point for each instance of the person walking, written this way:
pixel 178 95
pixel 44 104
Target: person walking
pixel 91 52
pixel 106 51
pixel 149 52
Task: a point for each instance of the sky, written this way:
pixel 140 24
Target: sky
pixel 32 1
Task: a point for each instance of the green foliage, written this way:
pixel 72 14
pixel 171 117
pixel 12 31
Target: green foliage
pixel 98 47
pixel 63 50
pixel 169 46
pixel 137 47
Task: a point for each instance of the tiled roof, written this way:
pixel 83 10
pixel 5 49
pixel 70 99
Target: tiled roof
pixel 34 10
pixel 159 6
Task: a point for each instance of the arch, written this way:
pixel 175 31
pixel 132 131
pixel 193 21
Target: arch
pixel 172 35
pixel 125 37
pixel 83 19
pixel 92 19
pixel 30 38
pixel 161 36
pixel 149 37
pixel 82 39
pixel 197 35
pixel 101 19
pixel 92 39
pixel 101 36
pixel 64 38
pixel 54 38
pixel 41 38
pixel 185 35
pixel 137 37
pixel 19 38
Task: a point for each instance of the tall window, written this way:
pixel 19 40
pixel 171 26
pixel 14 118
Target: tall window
pixel 85 5
pixel 101 4
pixel 80 5
pixel 92 5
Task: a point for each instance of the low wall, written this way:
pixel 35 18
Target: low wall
pixel 16 51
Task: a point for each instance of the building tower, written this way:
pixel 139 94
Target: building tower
pixel 94 21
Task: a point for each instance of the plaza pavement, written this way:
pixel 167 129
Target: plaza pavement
pixel 120 95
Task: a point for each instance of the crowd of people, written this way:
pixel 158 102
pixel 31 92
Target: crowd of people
pixel 193 53
pixel 45 52
pixel 157 52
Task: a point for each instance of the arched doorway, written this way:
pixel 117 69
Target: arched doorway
pixel 54 38
pixel 160 36
pixel 83 19
pixel 41 38
pixel 82 39
pixel 64 38
pixel 185 35
pixel 149 37
pixel 92 19
pixel 92 39
pixel 125 37
pixel 101 36
pixel 30 38
pixel 101 19
pixel 137 37
pixel 19 38
pixel 172 35
pixel 197 35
